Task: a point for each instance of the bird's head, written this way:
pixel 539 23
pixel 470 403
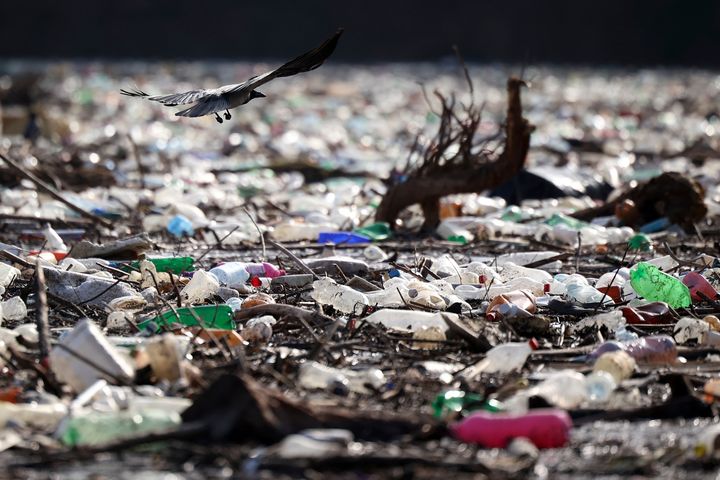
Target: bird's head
pixel 256 94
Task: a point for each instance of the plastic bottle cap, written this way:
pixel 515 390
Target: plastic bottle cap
pixel 534 344
pixel 482 279
pixel 255 282
pixel 546 288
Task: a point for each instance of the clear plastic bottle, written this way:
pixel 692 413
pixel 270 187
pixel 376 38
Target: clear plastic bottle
pixel 599 385
pixel 231 274
pixel 314 375
pixel 503 358
pixel 565 389
pixel 511 271
pixel 409 320
pixel 344 299
pixel 584 294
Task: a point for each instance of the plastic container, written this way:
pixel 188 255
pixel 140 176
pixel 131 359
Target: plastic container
pixel 619 364
pixel 180 226
pixel 314 375
pixel 654 349
pixel 654 285
pixel 97 428
pixel 212 316
pixel 348 238
pixel 650 314
pixel 503 358
pixel 690 329
pixel 545 428
pixel 343 299
pixel 201 287
pixel 520 298
pixel 87 340
pixel 409 320
pixel 700 288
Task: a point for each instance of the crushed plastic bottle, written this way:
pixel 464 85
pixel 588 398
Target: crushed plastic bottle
pixel 655 285
pixel 700 289
pixel 212 316
pixel 503 358
pixel 97 428
pixel 344 299
pixel 202 286
pixel 521 299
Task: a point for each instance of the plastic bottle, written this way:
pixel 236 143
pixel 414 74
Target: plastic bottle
pixel 511 271
pixel 342 298
pixel 53 240
pixel 456 401
pixel 599 385
pixel 700 288
pixel 565 389
pixel 664 263
pixel 426 295
pixel 314 375
pixel 234 303
pixel 546 428
pixel 231 274
pixel 44 416
pixel 520 298
pixel 176 265
pixel 451 230
pixel 202 286
pixel 654 349
pixel 654 285
pixel 503 358
pixel 409 320
pixel 650 314
pixel 180 226
pixel 584 294
pixel 96 428
pixel 619 364
pixel 212 316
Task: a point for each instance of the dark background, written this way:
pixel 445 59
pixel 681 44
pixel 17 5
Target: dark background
pixel 613 32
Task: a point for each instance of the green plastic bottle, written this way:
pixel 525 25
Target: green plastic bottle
pixel 376 231
pixel 560 219
pixel 212 316
pixel 456 401
pixel 653 284
pixel 640 241
pixel 97 428
pixel 176 265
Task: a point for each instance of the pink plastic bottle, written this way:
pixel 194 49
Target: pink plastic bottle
pixel 699 287
pixel 653 350
pixel 546 428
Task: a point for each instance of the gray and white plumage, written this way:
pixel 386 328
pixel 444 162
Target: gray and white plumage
pixel 224 98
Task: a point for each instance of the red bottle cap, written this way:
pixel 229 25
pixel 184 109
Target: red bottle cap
pixel 482 279
pixel 546 288
pixel 255 282
pixel 534 344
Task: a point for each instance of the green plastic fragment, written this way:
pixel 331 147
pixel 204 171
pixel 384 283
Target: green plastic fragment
pixel 212 316
pixel 457 401
pixel 560 219
pixel 653 284
pixel 458 239
pixel 640 242
pixel 376 231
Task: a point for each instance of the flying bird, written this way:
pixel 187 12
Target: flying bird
pixel 216 100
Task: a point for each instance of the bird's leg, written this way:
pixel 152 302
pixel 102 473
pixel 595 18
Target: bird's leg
pixel 217 117
pixel 227 115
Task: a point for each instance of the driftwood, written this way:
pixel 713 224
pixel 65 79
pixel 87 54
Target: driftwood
pixel 671 195
pixel 469 170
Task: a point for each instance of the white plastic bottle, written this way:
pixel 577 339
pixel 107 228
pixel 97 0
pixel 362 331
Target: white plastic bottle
pixel 231 274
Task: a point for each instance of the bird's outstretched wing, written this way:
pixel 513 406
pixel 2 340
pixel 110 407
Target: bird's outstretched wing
pixel 172 99
pixel 304 63
pixel 205 106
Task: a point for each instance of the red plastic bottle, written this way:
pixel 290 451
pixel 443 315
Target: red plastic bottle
pixel 699 287
pixel 651 313
pixel 546 428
